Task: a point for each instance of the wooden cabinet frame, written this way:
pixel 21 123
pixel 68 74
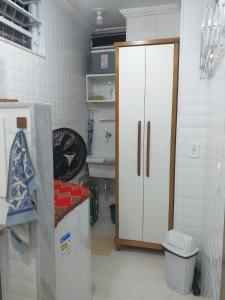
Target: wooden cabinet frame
pixel 121 242
pixel 222 283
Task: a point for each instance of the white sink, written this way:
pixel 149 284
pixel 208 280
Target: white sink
pixel 100 160
pixel 101 167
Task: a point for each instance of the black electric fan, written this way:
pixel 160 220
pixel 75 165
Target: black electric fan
pixel 70 153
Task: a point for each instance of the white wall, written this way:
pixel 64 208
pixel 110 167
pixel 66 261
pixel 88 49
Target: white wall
pixel 104 120
pixel 59 78
pixel 214 192
pixel 191 124
pixel 152 23
pixel 199 202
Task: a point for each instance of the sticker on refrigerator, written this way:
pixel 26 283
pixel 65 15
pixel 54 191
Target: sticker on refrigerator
pixel 65 244
pixel 104 61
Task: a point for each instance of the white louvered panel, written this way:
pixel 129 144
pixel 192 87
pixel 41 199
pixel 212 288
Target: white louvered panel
pixel 20 23
pixel 22 11
pixel 14 26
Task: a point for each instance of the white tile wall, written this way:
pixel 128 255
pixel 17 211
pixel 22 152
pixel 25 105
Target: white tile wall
pixel 104 120
pixel 214 200
pixel 57 79
pixel 192 125
pixel 199 203
pixel 153 26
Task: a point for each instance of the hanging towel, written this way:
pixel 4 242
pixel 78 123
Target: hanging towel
pixel 90 135
pixel 20 237
pixel 22 182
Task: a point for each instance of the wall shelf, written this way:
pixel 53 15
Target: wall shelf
pixel 100 75
pixel 100 85
pixel 101 101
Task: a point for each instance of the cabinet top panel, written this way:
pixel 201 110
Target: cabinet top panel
pixel 148 42
pixel 13 105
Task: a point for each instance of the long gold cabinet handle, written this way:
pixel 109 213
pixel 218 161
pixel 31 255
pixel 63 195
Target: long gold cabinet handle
pixel 148 149
pixel 139 150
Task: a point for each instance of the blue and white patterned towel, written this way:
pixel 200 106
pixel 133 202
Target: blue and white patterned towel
pixel 22 182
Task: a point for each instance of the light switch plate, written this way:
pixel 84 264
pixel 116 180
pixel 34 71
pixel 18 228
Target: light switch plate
pixel 194 151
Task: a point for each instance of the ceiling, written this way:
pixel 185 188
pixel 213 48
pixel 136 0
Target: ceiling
pixel 112 17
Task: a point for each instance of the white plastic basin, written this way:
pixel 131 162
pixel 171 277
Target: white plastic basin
pixel 101 167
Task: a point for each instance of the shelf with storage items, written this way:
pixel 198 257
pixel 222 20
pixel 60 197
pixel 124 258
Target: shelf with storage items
pixel 100 88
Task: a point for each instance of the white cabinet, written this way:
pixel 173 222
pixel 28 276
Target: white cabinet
pixel 146 125
pixel 73 268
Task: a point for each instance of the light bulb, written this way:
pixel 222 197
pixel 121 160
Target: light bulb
pixel 99 20
pixel 99 15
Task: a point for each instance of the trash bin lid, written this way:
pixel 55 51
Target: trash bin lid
pixel 180 244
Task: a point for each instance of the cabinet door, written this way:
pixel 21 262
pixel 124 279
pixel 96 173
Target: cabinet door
pixel 131 113
pixel 158 111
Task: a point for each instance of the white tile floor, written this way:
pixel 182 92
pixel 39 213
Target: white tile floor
pixel 132 275
pixel 104 226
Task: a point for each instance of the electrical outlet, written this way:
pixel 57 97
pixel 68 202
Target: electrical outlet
pixel 194 151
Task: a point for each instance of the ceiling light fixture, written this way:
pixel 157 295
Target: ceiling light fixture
pixel 99 15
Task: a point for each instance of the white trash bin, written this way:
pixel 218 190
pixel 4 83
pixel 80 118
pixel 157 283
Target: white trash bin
pixel 180 252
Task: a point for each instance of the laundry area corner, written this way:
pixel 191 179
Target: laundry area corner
pixel 112 149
